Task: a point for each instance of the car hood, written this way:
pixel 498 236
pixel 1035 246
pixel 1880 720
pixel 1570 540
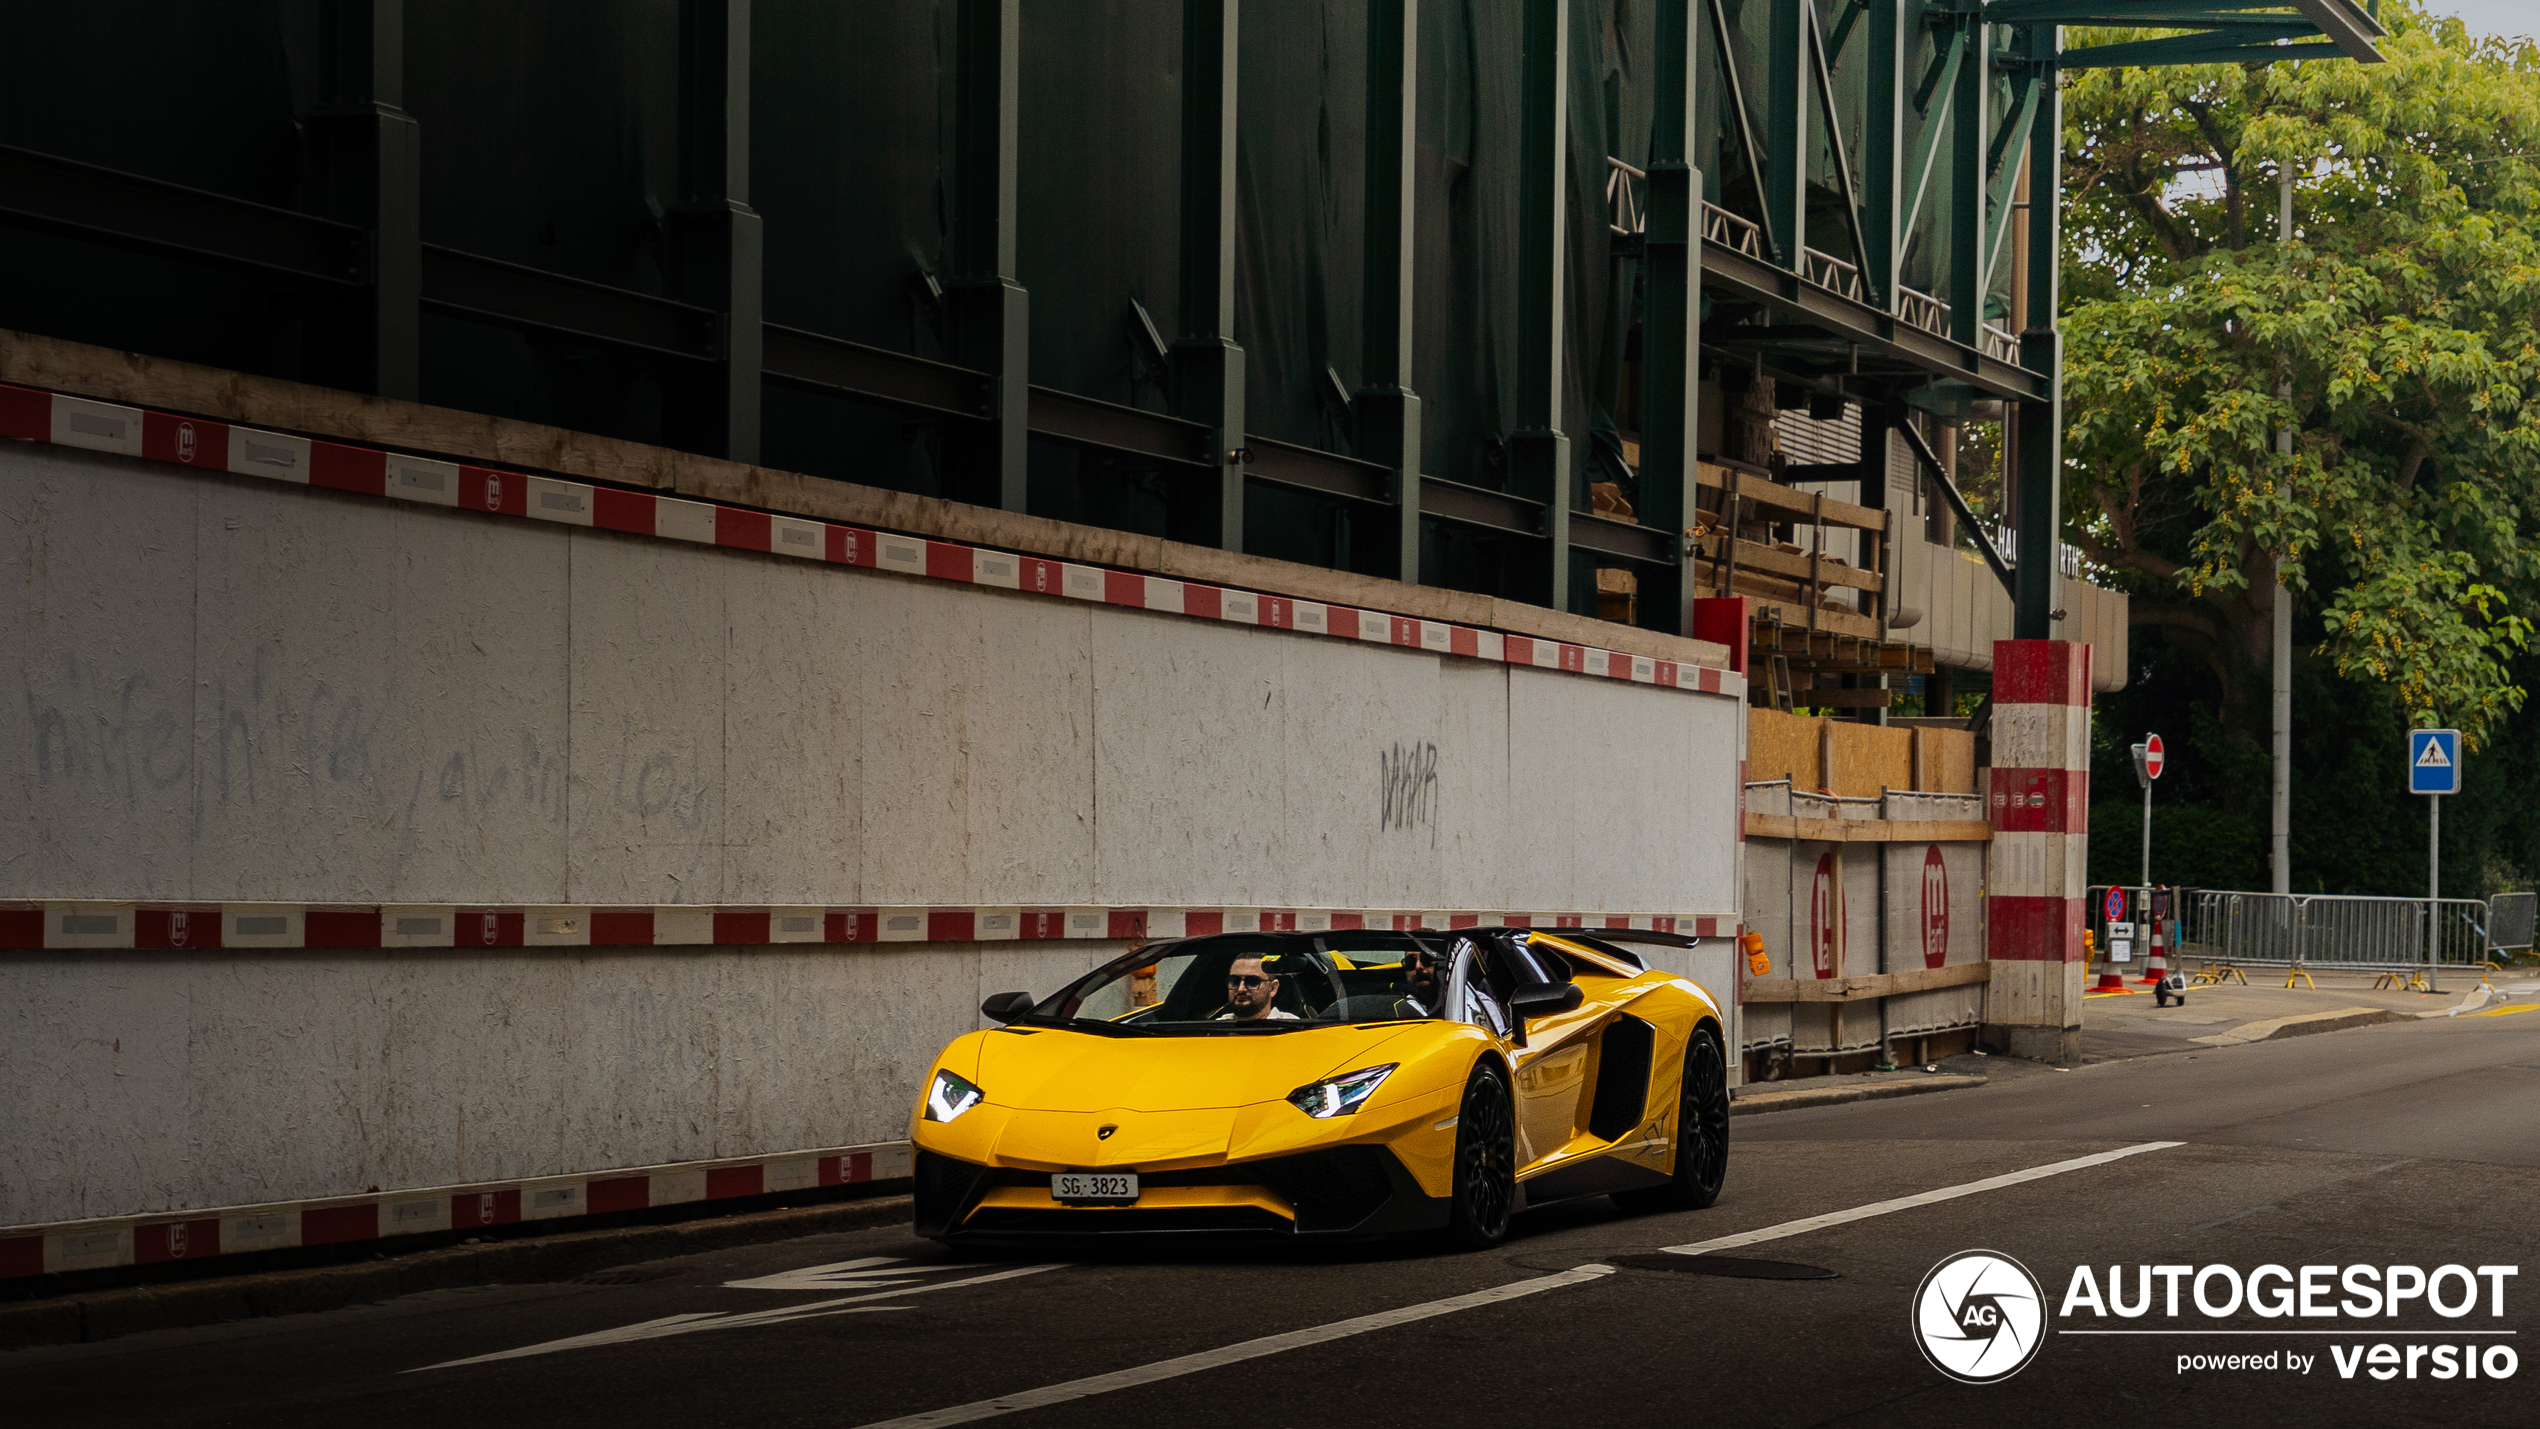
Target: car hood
pixel 1056 1070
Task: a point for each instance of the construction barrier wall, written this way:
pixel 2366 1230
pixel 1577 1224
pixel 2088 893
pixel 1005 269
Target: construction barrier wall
pixel 228 691
pixel 1896 890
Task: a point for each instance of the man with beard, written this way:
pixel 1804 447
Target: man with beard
pixel 1422 977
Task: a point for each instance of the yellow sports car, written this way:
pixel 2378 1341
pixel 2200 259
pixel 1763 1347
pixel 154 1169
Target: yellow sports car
pixel 1329 1084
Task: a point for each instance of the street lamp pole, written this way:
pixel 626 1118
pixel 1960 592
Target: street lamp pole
pixel 2280 794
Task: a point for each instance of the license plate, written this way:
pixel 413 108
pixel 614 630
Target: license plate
pixel 1094 1188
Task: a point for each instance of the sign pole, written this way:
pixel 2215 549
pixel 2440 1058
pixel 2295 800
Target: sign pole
pixel 2148 760
pixel 2433 881
pixel 2434 770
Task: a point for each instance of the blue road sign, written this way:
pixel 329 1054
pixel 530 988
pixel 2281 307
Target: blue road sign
pixel 2116 905
pixel 2434 761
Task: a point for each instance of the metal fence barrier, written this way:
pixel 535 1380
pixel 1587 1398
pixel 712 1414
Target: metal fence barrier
pixel 2509 920
pixel 2332 931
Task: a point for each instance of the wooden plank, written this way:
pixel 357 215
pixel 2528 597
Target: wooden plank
pixel 1795 616
pixel 1798 503
pixel 1866 987
pixel 1869 831
pixel 1755 555
pixel 1829 697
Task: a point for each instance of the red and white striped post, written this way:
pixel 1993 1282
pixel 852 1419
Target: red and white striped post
pixel 2040 806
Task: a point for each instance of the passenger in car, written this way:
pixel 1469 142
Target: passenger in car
pixel 1252 995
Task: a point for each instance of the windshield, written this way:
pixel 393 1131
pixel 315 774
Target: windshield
pixel 1255 983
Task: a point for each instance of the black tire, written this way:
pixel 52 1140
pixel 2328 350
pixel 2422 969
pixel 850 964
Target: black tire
pixel 1702 1135
pixel 1485 1191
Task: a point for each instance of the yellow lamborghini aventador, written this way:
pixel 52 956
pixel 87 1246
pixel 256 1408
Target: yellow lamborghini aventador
pixel 1329 1084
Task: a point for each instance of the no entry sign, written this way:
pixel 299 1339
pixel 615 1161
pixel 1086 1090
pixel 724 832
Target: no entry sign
pixel 2152 757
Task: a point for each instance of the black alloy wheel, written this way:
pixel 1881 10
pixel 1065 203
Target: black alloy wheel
pixel 1485 1163
pixel 1702 1135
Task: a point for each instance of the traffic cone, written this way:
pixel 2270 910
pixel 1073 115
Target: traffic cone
pixel 2109 977
pixel 2155 966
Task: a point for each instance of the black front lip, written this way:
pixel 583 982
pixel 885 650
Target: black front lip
pixel 1338 1192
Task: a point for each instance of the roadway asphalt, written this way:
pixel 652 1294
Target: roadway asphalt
pixel 2411 1143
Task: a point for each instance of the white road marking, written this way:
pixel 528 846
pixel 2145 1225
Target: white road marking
pixel 1237 1353
pixel 688 1324
pixel 862 1274
pixel 1907 1203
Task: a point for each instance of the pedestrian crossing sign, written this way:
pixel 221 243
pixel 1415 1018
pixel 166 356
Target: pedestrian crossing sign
pixel 2434 761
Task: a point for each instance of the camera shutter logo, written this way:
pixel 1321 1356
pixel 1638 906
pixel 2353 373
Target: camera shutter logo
pixel 1979 1316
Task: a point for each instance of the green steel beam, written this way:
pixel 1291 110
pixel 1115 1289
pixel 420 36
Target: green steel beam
pixel 717 238
pixel 1208 365
pixel 368 173
pixel 1943 82
pixel 2040 425
pixel 991 313
pixel 2158 14
pixel 2010 148
pixel 1852 13
pixel 2347 25
pixel 1671 330
pixel 1883 147
pixel 1970 100
pixel 2195 50
pixel 1823 82
pixel 1786 82
pixel 1746 141
pixel 1539 453
pixel 1385 411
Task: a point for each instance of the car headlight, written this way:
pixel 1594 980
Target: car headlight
pixel 948 1096
pixel 1339 1096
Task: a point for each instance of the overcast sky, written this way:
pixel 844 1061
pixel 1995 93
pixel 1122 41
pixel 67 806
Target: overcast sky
pixel 2509 17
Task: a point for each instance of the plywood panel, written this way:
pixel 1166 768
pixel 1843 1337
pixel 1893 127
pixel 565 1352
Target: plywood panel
pixel 1949 761
pixel 1868 759
pixel 1782 746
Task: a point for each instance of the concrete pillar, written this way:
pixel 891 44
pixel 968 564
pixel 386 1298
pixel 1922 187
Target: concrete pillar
pixel 2040 807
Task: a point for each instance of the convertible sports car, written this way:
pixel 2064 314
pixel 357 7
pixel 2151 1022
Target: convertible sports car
pixel 1329 1084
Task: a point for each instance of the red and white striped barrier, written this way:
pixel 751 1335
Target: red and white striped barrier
pixel 206 445
pixel 2039 804
pixel 230 1230
pixel 102 926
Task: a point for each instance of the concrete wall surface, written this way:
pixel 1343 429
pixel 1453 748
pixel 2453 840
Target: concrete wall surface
pixel 228 690
pixel 225 690
pixel 140 1082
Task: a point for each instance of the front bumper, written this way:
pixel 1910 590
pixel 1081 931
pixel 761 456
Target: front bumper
pixel 1338 1191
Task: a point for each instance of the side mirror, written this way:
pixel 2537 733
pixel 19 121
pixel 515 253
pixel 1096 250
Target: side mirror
pixel 1007 1006
pixel 1543 999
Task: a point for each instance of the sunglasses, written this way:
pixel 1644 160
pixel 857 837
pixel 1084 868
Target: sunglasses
pixel 1415 960
pixel 1233 981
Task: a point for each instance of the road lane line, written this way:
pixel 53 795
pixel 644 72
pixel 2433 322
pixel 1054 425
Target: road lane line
pixel 1237 1353
pixel 709 1320
pixel 1907 1203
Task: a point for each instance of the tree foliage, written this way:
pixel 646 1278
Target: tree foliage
pixel 2397 335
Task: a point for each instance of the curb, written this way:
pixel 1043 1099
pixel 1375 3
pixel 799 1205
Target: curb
pixel 104 1315
pixel 2277 1028
pixel 1758 1103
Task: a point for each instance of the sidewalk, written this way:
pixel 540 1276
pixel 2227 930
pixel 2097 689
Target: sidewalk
pixel 2118 1025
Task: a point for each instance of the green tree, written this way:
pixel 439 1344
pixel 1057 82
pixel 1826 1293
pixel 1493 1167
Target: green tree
pixel 2403 320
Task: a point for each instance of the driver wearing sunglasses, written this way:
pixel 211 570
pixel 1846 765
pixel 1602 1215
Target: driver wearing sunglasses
pixel 1252 994
pixel 1420 971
